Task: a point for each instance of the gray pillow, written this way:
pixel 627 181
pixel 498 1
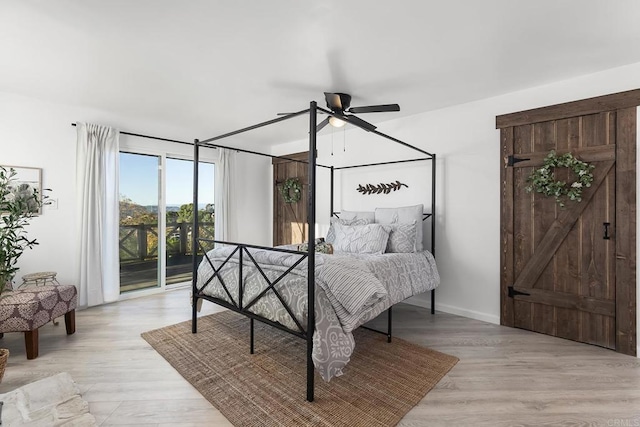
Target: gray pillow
pixel 331 234
pixel 403 215
pixel 358 215
pixel 361 239
pixel 402 238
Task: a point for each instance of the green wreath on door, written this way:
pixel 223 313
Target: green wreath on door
pixel 543 181
pixel 291 190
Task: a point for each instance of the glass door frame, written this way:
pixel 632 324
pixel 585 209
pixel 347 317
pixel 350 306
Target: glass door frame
pixel 163 150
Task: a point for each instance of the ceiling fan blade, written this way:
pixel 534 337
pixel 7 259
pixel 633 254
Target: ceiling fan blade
pixel 287 114
pixel 357 121
pixel 375 108
pixel 322 124
pixel 333 101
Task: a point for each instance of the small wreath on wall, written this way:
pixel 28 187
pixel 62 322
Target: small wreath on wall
pixel 291 190
pixel 542 180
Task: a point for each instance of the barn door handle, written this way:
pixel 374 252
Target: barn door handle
pixel 606 230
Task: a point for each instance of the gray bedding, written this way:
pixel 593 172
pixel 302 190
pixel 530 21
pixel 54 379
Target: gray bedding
pixel 351 289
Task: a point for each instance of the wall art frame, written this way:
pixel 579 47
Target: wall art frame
pixel 26 180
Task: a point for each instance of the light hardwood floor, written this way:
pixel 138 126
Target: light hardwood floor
pixel 504 377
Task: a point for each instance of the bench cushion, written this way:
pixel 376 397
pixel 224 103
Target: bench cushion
pixel 29 308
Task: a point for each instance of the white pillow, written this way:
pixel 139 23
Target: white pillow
pixel 403 215
pixel 361 239
pixel 358 215
pixel 402 238
pixel 331 233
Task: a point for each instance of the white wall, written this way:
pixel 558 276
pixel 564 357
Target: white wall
pixel 468 192
pixel 251 202
pixel 39 134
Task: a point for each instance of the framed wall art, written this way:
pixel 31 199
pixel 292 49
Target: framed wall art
pixel 27 180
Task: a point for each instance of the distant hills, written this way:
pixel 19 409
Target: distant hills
pixel 171 208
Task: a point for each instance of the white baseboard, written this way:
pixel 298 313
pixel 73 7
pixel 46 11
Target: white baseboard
pixel 485 317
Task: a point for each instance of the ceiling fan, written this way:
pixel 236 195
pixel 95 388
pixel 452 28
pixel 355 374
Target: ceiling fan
pixel 339 104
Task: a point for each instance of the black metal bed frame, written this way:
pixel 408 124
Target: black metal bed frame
pixel 243 252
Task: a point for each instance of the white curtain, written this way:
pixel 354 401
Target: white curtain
pixel 222 193
pixel 97 190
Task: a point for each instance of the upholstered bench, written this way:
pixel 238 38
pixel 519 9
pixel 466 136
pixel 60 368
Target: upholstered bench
pixel 29 308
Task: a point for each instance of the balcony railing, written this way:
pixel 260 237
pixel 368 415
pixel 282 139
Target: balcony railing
pixel 139 253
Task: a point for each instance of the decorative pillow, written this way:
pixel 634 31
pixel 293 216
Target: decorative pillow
pixel 321 247
pixel 331 234
pixel 361 239
pixel 358 215
pixel 403 215
pixel 402 238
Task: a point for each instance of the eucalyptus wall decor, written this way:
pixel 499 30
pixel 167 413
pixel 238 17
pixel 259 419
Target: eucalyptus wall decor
pixel 381 188
pixel 543 181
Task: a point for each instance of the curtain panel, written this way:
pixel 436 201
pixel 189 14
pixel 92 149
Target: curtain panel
pixel 223 169
pixel 97 176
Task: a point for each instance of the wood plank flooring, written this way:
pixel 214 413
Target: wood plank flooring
pixel 505 376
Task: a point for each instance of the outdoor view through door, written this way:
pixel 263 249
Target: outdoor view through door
pixel 143 254
pixel 179 208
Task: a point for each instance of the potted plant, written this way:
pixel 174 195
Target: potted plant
pixel 18 204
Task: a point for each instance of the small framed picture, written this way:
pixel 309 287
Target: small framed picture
pixel 25 181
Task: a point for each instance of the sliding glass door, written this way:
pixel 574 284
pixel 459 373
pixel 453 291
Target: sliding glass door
pixel 156 219
pixel 179 208
pixel 139 203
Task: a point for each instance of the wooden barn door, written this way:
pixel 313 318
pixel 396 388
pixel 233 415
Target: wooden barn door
pixel 570 272
pixel 290 219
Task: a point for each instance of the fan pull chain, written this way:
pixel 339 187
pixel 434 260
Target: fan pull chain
pixel 332 140
pixel 344 140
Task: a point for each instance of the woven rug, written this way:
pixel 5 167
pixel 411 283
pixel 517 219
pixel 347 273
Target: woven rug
pixel 379 386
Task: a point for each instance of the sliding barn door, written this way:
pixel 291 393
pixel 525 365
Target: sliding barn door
pixel 570 272
pixel 290 219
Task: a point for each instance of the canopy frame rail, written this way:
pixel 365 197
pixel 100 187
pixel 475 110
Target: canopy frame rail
pixel 313 110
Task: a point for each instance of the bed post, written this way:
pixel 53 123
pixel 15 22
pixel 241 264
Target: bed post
pixel 251 336
pixel 194 241
pixel 331 199
pixel 433 223
pixel 311 258
pixel 389 322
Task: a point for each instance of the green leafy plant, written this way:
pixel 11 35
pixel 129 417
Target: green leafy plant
pixel 291 190
pixel 17 206
pixel 543 181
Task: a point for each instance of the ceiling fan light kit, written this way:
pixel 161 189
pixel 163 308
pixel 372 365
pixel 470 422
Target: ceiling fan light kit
pixel 336 122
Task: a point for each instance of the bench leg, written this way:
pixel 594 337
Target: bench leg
pixel 31 343
pixel 70 322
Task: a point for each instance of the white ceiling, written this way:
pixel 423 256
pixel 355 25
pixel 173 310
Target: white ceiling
pixel 215 66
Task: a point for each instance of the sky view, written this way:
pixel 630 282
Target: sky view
pixel 139 180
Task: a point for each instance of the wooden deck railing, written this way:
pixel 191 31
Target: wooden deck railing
pixel 140 242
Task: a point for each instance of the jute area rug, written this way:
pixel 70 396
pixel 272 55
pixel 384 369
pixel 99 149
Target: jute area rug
pixel 379 386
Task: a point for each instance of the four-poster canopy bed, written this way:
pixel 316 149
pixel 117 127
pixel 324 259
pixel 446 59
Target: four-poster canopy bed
pixel 349 292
